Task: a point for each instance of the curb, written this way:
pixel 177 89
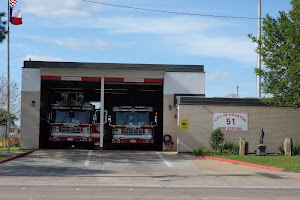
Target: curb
pixel 17 156
pixel 241 163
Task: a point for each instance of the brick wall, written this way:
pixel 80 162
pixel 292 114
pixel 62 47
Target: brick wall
pixel 278 123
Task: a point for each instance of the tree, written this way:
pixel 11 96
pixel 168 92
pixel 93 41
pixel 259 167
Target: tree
pixel 3 31
pixel 3 117
pixel 15 103
pixel 216 139
pixel 280 51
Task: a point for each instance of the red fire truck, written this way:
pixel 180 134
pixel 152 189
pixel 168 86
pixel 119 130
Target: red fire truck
pixel 132 124
pixel 74 122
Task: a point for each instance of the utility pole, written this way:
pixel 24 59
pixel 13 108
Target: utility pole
pixel 8 81
pixel 258 79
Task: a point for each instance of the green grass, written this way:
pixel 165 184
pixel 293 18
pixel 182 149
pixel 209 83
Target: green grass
pixel 2 157
pixel 288 163
pixel 3 149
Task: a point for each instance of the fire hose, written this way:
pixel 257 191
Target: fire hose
pixel 167 139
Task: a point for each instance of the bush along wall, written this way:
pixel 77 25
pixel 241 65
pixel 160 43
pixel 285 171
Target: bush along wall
pixel 219 147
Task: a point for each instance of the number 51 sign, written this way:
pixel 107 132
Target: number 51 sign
pixel 230 121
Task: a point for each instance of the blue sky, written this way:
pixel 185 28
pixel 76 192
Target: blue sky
pixel 77 31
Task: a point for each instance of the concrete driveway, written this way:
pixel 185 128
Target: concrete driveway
pixel 84 174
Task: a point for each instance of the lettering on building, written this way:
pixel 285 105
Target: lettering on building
pixel 230 121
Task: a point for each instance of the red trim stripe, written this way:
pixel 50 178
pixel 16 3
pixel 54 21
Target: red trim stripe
pixel 51 78
pixel 58 78
pixel 91 79
pixel 97 79
pixel 121 80
pixel 146 80
pixel 153 80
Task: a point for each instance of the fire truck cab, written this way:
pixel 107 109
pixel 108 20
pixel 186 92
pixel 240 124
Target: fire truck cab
pixel 74 122
pixel 132 124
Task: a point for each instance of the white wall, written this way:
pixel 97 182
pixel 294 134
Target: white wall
pixel 30 115
pixel 178 83
pixel 31 80
pixel 184 83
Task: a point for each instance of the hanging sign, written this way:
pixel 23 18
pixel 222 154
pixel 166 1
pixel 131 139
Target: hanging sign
pixel 70 78
pixel 230 121
pixel 134 80
pixel 184 124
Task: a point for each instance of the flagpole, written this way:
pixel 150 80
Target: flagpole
pixel 8 80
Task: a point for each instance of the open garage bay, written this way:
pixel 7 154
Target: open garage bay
pixel 116 93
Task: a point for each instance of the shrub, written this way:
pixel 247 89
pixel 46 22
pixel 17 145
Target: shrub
pixel 228 145
pixel 226 151
pixel 296 149
pixel 233 148
pixel 199 151
pixel 217 152
pixel 216 139
pixel 281 148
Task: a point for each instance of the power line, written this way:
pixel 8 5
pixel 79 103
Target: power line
pixel 17 49
pixel 170 12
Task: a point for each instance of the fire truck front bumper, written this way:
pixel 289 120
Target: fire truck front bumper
pixel 132 141
pixel 70 139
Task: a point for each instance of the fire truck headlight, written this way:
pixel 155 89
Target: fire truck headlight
pixel 55 129
pixel 86 129
pixel 118 131
pixel 148 131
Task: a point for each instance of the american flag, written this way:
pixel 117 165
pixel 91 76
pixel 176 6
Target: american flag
pixel 13 3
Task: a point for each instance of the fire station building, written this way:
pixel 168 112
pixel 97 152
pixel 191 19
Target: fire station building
pixel 185 117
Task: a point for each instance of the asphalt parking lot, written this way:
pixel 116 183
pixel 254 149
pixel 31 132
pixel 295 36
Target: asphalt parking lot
pixel 92 174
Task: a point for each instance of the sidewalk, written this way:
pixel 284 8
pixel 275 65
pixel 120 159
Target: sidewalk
pixel 218 165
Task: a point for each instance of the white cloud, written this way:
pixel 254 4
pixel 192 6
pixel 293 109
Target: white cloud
pixel 73 43
pixel 42 58
pixel 58 8
pixel 217 76
pixel 102 44
pixel 81 45
pixel 184 34
pixel 122 45
pixel 233 48
pixel 166 25
pixel 190 35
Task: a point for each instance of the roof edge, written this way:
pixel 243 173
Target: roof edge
pixel 115 66
pixel 221 101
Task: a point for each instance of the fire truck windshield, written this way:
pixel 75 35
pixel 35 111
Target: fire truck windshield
pixel 75 116
pixel 132 118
